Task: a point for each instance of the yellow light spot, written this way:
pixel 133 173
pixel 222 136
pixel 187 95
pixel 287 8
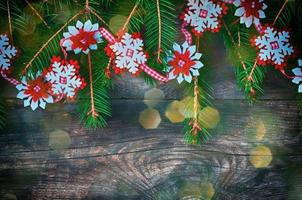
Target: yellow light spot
pixel 174 112
pixel 59 139
pixel 153 97
pixel 261 130
pixel 260 156
pixel 188 111
pixel 204 190
pixel 116 23
pixel 208 117
pixel 149 118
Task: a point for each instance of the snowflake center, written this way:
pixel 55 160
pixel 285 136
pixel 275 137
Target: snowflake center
pixel 274 45
pixel 83 41
pixel 203 13
pixel 253 4
pixel 181 63
pixel 63 80
pixel 37 88
pixel 130 52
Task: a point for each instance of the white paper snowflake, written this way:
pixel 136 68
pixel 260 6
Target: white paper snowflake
pixel 82 37
pixel 64 78
pixel 129 53
pixel 203 15
pixel 184 62
pixel 35 92
pixel 273 46
pixel 7 52
pixel 298 73
pixel 250 11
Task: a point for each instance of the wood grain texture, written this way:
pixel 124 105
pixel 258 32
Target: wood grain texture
pixel 125 161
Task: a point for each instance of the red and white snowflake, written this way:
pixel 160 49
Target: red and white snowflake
pixel 298 75
pixel 274 47
pixel 129 53
pixel 184 62
pixel 204 15
pixel 7 52
pixel 82 37
pixel 64 78
pixel 250 11
pixel 34 92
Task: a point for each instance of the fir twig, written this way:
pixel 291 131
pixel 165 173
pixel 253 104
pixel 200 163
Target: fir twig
pixel 48 41
pixel 37 14
pixel 159 31
pixel 9 20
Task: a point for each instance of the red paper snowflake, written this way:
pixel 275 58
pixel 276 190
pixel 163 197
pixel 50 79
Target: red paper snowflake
pixel 204 15
pixel 274 47
pixel 64 78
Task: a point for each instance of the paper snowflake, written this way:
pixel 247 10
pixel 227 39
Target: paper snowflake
pixel 34 93
pixel 204 15
pixel 64 78
pixel 7 52
pixel 183 62
pixel 274 47
pixel 298 73
pixel 250 11
pixel 129 53
pixel 82 37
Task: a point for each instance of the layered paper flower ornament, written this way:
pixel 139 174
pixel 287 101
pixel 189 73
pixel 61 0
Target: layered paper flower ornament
pixel 274 47
pixel 250 12
pixel 7 52
pixel 184 62
pixel 298 73
pixel 64 78
pixel 128 53
pixel 35 92
pixel 82 37
pixel 204 15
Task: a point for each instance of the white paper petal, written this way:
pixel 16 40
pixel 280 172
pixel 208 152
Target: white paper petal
pixel 72 30
pixel 180 78
pixel 79 24
pixel 87 26
pixel 300 88
pixel 34 105
pixel 176 47
pixel 239 12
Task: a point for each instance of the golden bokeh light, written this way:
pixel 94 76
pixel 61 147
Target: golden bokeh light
pixel 209 117
pixel 149 118
pixel 174 112
pixel 116 23
pixel 260 130
pixel 204 190
pixel 188 108
pixel 260 156
pixel 153 96
pixel 59 139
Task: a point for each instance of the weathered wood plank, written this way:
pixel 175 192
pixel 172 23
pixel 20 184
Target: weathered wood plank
pixel 124 161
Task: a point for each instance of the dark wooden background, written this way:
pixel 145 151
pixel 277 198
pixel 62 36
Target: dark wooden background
pixel 125 161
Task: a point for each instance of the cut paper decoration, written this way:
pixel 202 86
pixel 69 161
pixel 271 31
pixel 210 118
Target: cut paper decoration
pixel 64 78
pixel 82 37
pixel 129 52
pixel 204 15
pixel 298 73
pixel 184 62
pixel 34 93
pixel 7 52
pixel 250 12
pixel 274 47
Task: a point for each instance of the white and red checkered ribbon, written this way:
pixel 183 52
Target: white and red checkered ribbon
pixel 10 80
pixel 188 36
pixel 151 72
pixel 107 35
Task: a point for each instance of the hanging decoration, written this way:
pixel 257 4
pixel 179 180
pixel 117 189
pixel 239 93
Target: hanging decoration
pixel 129 53
pixel 64 78
pixel 35 92
pixel 7 53
pixel 274 47
pixel 204 15
pixel 250 12
pixel 184 62
pixel 82 37
pixel 298 75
